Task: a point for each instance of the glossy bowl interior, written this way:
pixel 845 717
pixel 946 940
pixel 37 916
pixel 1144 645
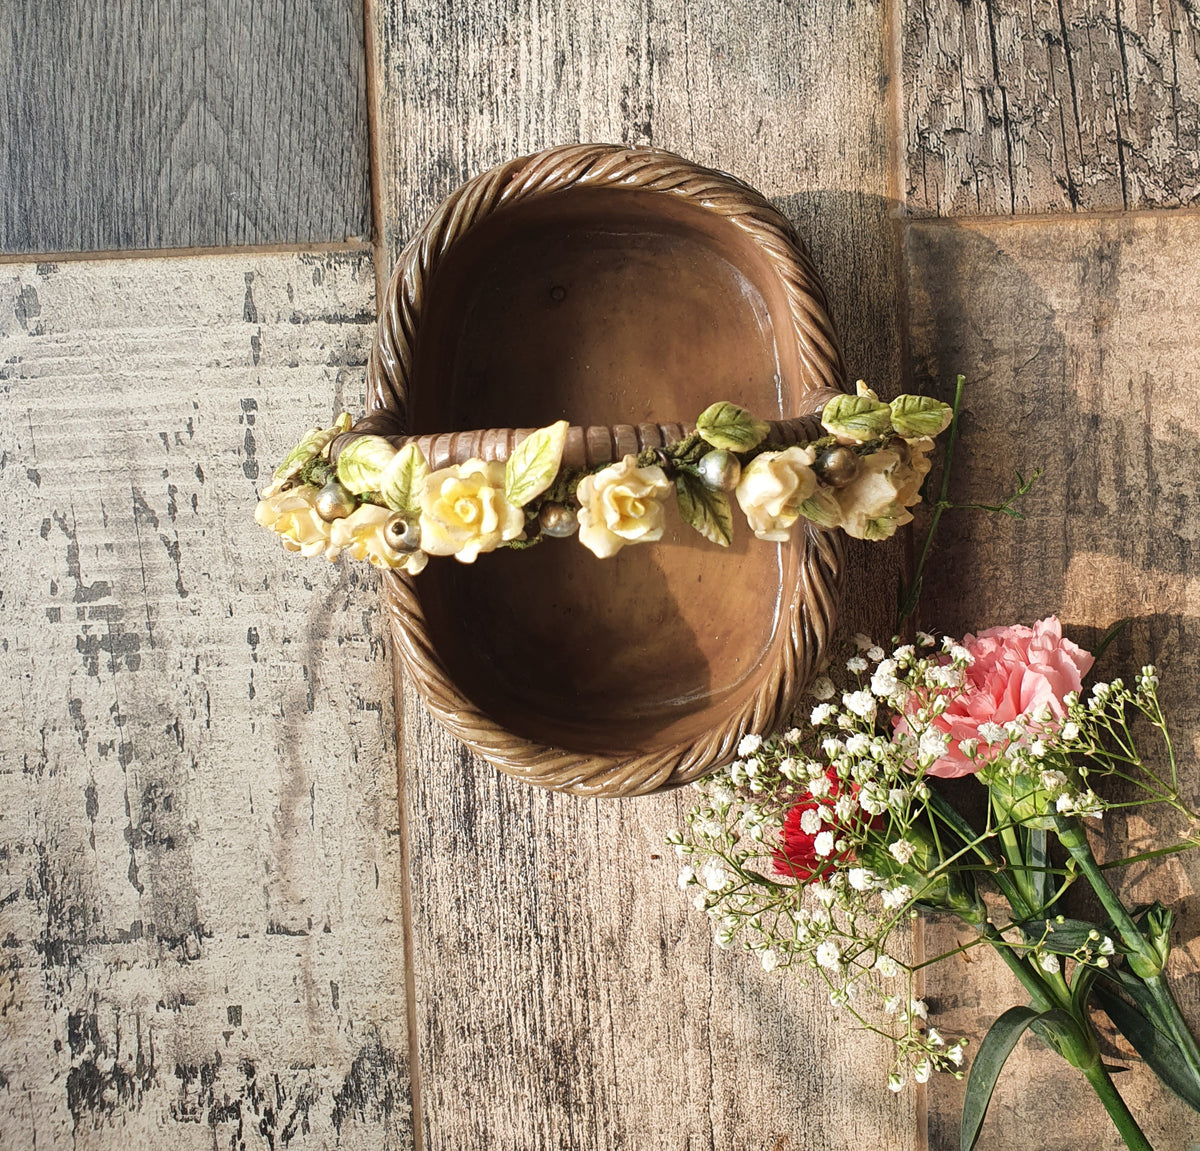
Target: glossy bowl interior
pixel 604 306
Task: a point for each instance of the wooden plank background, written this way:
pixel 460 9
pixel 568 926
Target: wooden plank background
pixel 144 124
pixel 228 922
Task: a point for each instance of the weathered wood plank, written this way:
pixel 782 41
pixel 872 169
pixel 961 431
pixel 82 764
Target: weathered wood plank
pixel 199 852
pixel 1050 106
pixel 1079 344
pixel 133 125
pixel 567 995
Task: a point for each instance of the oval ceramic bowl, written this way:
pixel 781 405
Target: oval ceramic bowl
pixel 624 291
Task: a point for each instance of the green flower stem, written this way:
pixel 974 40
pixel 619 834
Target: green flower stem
pixel 1074 839
pixel 1040 996
pixel 1117 1110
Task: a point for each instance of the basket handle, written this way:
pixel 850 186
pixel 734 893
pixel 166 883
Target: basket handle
pixel 586 447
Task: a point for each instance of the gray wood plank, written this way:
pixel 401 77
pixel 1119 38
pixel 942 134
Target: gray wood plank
pixel 1081 353
pixel 200 872
pixel 567 995
pixel 134 124
pixel 1050 106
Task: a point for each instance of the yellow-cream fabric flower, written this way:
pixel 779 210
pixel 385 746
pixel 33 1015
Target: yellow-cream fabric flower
pixel 622 504
pixel 293 516
pixel 772 488
pixel 464 512
pixel 361 534
pixel 876 502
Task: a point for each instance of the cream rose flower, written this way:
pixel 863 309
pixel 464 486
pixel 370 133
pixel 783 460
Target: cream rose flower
pixel 622 505
pixel 772 488
pixel 293 516
pixel 876 502
pixel 464 512
pixel 361 534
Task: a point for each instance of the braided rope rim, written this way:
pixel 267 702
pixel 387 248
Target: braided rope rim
pixel 812 610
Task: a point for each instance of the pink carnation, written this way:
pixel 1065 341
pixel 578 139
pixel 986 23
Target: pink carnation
pixel 1016 670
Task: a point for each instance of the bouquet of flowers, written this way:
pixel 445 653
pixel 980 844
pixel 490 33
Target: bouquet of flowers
pixel 816 845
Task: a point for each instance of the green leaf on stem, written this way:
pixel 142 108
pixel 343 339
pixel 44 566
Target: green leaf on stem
pixel 1109 636
pixel 1159 1051
pixel 705 508
pixel 994 1051
pixel 1067 937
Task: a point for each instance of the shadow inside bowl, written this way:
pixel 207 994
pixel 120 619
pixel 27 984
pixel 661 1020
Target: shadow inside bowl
pixel 605 306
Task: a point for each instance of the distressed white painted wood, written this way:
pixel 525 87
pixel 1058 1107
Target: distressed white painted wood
pixel 199 851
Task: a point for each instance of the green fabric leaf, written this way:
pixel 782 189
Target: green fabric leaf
pixel 994 1051
pixel 1160 1051
pixel 363 462
pixel 725 425
pixel 915 416
pixel 705 508
pixel 856 418
pixel 400 484
pixel 311 445
pixel 822 508
pixel 534 464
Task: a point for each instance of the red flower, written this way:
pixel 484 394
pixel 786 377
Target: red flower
pixel 796 854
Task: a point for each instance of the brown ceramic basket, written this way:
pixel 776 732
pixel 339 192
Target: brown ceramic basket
pixel 616 288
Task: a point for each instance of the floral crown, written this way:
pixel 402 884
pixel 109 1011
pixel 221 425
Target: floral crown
pixel 385 504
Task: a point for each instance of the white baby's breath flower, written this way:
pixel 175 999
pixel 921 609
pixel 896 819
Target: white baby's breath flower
pixel 925 639
pixel 896 897
pixel 823 844
pixel 905 653
pixel 1070 732
pixel 845 808
pixel 919 1008
pixel 822 688
pixel 860 878
pixel 821 714
pixel 769 959
pixel 922 1071
pixel 819 786
pixel 934 1039
pixel 895 1082
pixel 968 747
pixel 991 732
pixel 887 966
pixel 955 1053
pixel 1053 780
pixel 932 743
pixel 875 653
pixel 902 851
pixel 810 821
pixel 861 703
pixel 832 747
pixel 749 744
pixel 828 955
pixel 856 664
pixel 713 875
pixel 858 744
pixel 1048 962
pixel 1038 748
pixel 687 876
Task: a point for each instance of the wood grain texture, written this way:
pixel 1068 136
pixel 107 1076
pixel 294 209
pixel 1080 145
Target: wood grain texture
pixel 199 851
pixel 567 995
pixel 1055 105
pixel 138 124
pixel 1080 349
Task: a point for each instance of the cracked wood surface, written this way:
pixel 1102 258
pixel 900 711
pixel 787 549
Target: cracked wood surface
pixel 566 993
pixel 139 124
pixel 199 852
pixel 1080 350
pixel 1055 105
